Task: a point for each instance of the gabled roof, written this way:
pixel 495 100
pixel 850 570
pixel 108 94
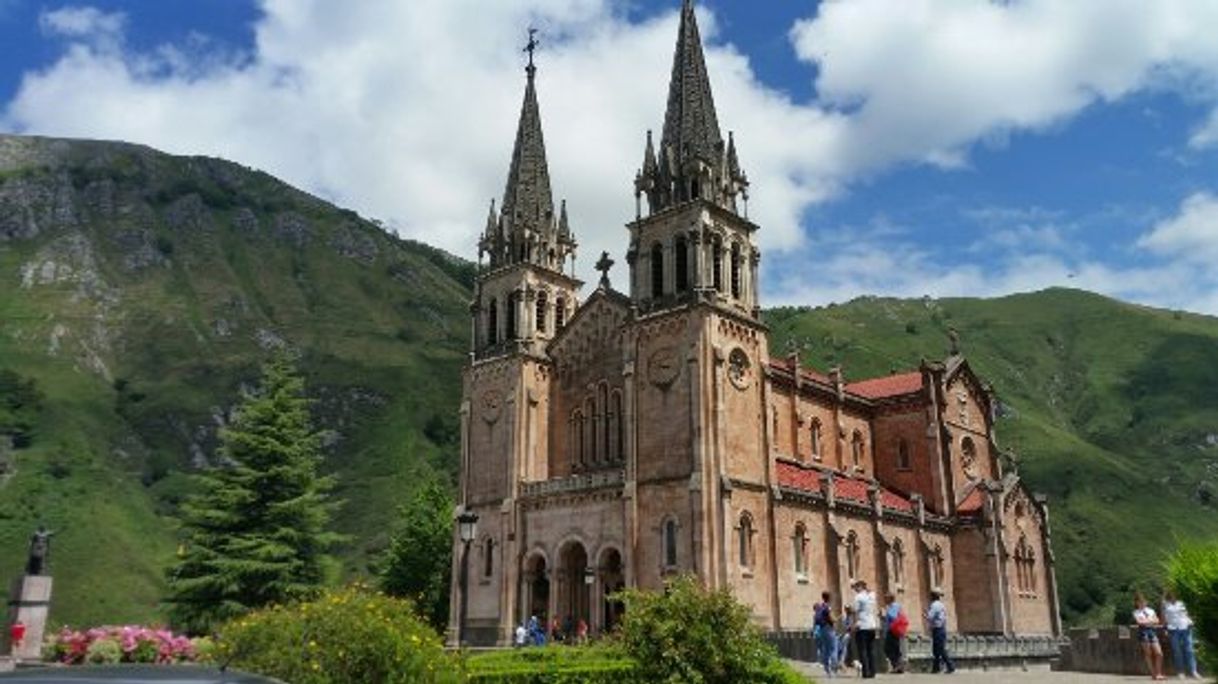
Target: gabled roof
pixel 608 295
pixel 973 503
pixel 844 487
pixel 888 386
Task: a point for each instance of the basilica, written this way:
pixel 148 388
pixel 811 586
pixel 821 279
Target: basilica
pixel 618 438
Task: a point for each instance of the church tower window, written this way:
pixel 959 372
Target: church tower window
pixel 746 540
pixel 560 312
pixel 513 332
pixel 681 268
pixel 616 431
pixel 488 557
pixel 602 401
pixel 670 543
pixel 577 438
pixel 590 434
pixel 657 271
pixel 736 270
pixel 542 301
pixel 492 323
pixel 717 263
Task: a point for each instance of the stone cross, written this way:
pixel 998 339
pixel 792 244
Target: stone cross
pixel 603 266
pixel 532 46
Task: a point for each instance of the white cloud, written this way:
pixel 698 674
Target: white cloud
pixel 1192 234
pixel 406 110
pixel 1205 135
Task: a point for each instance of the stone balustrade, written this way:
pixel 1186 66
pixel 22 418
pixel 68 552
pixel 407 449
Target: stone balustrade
pixel 969 651
pixel 582 482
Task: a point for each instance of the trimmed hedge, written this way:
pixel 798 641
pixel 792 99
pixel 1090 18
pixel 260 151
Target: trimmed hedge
pixel 554 665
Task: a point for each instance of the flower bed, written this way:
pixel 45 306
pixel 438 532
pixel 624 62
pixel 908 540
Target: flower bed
pixel 125 644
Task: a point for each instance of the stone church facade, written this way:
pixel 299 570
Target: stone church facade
pixel 620 439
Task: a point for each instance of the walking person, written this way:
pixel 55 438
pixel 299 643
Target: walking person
pixel 823 634
pixel 868 621
pixel 1148 626
pixel 1180 631
pixel 936 620
pixel 896 625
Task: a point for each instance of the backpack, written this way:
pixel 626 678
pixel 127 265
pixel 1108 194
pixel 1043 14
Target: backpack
pixel 899 626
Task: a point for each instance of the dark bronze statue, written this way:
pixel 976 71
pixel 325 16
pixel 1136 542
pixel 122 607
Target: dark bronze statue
pixel 40 552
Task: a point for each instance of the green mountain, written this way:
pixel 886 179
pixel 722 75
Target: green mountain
pixel 139 292
pixel 1110 408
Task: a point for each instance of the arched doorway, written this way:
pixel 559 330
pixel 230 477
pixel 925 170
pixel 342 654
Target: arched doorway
pixel 537 584
pixel 574 588
pixel 613 580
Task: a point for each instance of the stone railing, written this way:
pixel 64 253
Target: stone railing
pixel 969 651
pixel 1110 650
pixel 575 483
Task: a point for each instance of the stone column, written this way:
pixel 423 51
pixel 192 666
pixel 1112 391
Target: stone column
pixel 1055 612
pixel 30 602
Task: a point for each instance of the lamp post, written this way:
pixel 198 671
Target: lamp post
pixel 467 527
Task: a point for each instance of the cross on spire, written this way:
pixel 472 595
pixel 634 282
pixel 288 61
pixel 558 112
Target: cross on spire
pixel 531 48
pixel 603 265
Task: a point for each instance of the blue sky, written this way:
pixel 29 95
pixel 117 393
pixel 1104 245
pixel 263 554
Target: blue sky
pixel 896 147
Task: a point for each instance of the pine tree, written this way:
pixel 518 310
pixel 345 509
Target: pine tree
pixel 419 559
pixel 256 532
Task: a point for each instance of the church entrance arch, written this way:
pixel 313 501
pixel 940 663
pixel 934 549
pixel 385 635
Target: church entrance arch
pixel 574 587
pixel 612 581
pixel 537 588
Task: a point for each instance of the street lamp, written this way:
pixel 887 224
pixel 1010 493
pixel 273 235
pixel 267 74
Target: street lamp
pixel 467 527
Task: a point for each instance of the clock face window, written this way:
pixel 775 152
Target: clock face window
pixel 663 367
pixel 739 370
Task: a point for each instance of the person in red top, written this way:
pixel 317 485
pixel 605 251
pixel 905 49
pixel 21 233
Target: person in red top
pixel 16 635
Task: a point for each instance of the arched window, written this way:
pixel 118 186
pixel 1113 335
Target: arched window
pixel 542 300
pixel 736 270
pixel 815 439
pixel 935 560
pixel 856 449
pixel 512 331
pixel 681 265
pixel 717 263
pixel 903 462
pixel 492 322
pixel 898 563
pixel 602 407
pixel 746 540
pixel 488 557
pixel 774 423
pixel 852 556
pixel 560 312
pixel 670 543
pixel 619 432
pixel 657 271
pixel 1025 567
pixel 800 549
pixel 577 438
pixel 590 434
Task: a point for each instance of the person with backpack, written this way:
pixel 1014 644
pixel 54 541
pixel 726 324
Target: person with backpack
pixel 823 634
pixel 896 626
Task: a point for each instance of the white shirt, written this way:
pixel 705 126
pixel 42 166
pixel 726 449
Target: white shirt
pixel 1176 616
pixel 1145 617
pixel 521 635
pixel 936 614
pixel 866 610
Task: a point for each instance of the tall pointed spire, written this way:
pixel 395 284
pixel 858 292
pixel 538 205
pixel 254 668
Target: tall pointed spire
pixel 527 218
pixel 690 164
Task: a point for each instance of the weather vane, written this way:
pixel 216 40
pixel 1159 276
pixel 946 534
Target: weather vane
pixel 532 46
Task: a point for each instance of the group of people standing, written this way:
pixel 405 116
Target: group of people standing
pixel 863 623
pixel 1179 628
pixel 533 633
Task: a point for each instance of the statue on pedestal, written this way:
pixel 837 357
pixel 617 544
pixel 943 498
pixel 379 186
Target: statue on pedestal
pixel 40 551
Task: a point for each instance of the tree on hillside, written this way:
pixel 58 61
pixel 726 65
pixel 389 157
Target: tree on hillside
pixel 255 533
pixel 419 558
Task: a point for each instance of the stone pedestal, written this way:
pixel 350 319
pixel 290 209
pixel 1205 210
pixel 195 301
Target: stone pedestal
pixel 30 601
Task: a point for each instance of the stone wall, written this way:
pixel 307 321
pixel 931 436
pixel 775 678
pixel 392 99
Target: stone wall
pixel 968 652
pixel 1110 650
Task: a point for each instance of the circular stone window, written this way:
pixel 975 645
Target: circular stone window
pixel 739 369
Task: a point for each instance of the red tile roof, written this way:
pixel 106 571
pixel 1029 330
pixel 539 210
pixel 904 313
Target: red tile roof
pixel 887 386
pixel 972 503
pixel 850 489
pixel 785 364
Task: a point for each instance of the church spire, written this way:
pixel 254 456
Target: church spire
pixel 527 219
pixel 692 153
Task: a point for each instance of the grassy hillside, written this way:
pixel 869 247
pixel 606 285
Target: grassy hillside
pixel 1112 409
pixel 139 291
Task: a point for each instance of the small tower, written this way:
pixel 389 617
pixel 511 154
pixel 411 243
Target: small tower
pixel 522 294
pixel 694 243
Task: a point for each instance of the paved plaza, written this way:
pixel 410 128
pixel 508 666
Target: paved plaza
pixel 991 677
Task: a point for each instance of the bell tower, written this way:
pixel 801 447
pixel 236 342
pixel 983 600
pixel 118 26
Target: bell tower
pixel 695 242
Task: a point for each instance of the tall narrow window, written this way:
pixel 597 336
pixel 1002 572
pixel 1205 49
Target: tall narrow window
pixel 717 263
pixel 580 443
pixel 657 271
pixel 852 555
pixel 898 563
pixel 512 331
pixel 492 323
pixel 801 550
pixel 488 557
pixel 619 446
pixel 681 266
pixel 815 439
pixel 542 300
pixel 746 540
pixel 670 543
pixel 602 401
pixel 560 312
pixel 903 461
pixel 736 270
pixel 590 435
pixel 936 568
pixel 856 449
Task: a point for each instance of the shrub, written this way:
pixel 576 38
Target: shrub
pixel 126 644
pixel 689 634
pixel 555 664
pixel 350 635
pixel 1193 573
